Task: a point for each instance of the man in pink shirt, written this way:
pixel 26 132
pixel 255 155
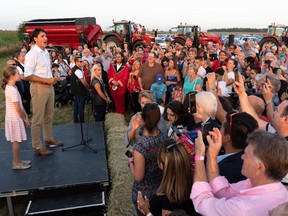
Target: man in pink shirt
pixel 265 163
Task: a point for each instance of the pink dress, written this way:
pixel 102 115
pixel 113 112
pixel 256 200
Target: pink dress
pixel 14 125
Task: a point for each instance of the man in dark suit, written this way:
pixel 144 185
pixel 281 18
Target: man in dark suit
pixel 235 130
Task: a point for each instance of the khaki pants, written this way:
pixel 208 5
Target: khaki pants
pixel 43 111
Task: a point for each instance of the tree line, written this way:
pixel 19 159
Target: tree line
pixel 252 30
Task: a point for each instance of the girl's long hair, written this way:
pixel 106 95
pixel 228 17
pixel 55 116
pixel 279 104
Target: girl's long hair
pixel 7 73
pixel 177 179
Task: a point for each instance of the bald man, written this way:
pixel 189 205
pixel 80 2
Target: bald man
pixel 257 103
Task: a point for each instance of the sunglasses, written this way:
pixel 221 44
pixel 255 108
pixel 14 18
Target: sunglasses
pixel 172 145
pixel 231 122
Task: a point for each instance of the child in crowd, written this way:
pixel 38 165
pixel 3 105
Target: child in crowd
pixel 177 93
pixel 15 116
pixel 159 88
pixel 161 103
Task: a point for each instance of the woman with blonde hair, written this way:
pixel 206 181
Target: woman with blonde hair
pixel 174 190
pixel 133 85
pixel 192 81
pixel 100 97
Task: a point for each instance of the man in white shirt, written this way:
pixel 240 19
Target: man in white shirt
pixel 79 90
pixel 38 71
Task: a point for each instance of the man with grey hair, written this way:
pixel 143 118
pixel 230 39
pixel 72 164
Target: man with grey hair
pixel 206 108
pixel 87 56
pixel 265 163
pixel 275 87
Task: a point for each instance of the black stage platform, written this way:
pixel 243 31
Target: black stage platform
pixel 73 167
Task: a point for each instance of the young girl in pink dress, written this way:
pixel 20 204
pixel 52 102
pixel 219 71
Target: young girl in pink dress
pixel 15 116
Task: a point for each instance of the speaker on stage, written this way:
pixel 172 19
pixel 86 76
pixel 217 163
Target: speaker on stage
pixel 231 39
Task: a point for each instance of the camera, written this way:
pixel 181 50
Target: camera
pixel 129 154
pixel 192 101
pixel 205 132
pixel 248 84
pixel 213 56
pixel 267 62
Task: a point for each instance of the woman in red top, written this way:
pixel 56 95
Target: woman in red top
pixel 86 70
pixel 118 74
pixel 133 85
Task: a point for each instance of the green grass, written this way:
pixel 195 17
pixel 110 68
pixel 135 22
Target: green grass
pixel 8 38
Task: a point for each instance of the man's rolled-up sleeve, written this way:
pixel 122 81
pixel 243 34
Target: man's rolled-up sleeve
pixel 30 64
pixel 206 204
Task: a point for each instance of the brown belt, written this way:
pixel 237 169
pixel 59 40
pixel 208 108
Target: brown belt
pixel 41 83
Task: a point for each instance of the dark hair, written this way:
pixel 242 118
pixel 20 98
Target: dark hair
pixel 179 83
pixel 201 58
pixel 77 58
pixel 235 62
pixel 7 73
pixel 160 101
pixel 151 116
pixel 272 150
pixel 220 71
pixel 122 55
pixel 178 109
pixel 36 32
pixel 165 58
pixel 257 69
pixel 226 103
pixel 242 125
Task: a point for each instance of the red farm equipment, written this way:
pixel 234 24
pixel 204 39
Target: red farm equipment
pixel 273 36
pixel 127 32
pixel 191 36
pixel 65 32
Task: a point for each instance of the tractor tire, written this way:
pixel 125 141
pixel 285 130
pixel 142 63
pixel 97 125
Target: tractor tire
pixel 138 44
pixel 113 41
pixel 179 41
pixel 265 41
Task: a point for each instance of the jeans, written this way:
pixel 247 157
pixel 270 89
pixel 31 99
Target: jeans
pixel 79 104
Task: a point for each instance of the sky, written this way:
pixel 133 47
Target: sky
pixel 153 14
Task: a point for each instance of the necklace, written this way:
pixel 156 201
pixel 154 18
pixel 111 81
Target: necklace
pixel 192 78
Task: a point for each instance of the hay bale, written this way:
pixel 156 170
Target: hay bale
pixel 119 199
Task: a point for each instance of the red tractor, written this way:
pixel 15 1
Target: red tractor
pixel 191 36
pixel 273 36
pixel 127 32
pixel 65 32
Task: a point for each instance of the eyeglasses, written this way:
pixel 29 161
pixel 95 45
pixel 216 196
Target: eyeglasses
pixel 231 122
pixel 80 61
pixel 172 145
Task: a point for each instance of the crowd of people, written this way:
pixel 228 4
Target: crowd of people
pixel 230 102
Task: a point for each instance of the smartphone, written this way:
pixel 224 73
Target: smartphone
pixel 176 130
pixel 129 154
pixel 236 76
pixel 205 132
pixel 192 101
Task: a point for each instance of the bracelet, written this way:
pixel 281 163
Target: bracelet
pixel 268 101
pixel 199 158
pixel 130 160
pixel 212 90
pixel 149 214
